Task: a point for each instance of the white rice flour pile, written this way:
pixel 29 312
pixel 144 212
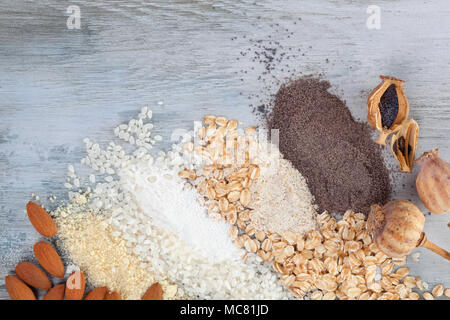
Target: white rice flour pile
pixel 165 235
pixel 169 202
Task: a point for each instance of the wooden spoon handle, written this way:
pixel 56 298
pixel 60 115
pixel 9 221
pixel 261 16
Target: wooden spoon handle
pixel 424 242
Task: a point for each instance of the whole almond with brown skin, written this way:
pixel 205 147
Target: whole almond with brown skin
pixel 49 259
pixel 55 293
pixel 41 220
pixel 153 293
pixel 17 289
pixel 97 294
pixel 33 275
pixel 75 285
pixel 113 296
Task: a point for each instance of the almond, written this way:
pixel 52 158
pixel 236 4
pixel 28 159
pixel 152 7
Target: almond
pixel 49 259
pixel 41 220
pixel 17 289
pixel 33 276
pixel 55 293
pixel 75 285
pixel 153 293
pixel 112 296
pixel 97 294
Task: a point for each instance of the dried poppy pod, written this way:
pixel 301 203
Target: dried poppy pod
pixel 404 145
pixel 433 182
pixel 397 228
pixel 387 107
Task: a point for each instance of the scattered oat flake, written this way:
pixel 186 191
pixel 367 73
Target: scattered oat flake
pixel 427 296
pixel 438 290
pixel 447 292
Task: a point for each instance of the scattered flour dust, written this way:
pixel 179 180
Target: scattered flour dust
pixel 166 198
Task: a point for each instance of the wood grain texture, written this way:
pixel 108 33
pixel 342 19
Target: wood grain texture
pixel 58 86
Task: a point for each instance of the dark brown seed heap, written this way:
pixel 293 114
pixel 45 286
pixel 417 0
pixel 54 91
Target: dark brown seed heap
pixel 389 106
pixel 343 166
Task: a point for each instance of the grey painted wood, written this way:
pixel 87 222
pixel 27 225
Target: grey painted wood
pixel 58 85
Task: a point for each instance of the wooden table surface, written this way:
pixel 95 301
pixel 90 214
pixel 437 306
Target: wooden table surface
pixel 58 86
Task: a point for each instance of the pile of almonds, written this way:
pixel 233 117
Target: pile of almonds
pixel 29 275
pixel 339 260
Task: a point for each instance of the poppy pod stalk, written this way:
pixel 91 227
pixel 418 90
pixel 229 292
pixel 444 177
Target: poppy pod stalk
pixel 397 228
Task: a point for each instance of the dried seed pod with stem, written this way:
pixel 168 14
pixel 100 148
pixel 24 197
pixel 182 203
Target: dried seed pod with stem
pixel 433 182
pixel 404 145
pixel 387 107
pixel 397 228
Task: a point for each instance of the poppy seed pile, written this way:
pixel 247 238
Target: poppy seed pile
pixel 344 169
